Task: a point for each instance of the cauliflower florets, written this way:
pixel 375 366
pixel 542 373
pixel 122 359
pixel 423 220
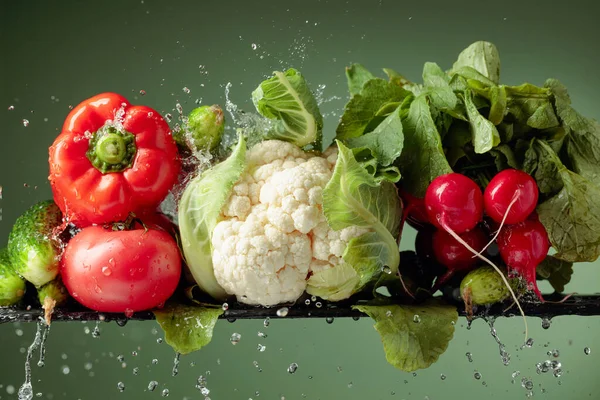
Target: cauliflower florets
pixel 273 228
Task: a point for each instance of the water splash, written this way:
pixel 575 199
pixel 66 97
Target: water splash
pixel 26 390
pixel 176 364
pixel 504 355
pixel 41 361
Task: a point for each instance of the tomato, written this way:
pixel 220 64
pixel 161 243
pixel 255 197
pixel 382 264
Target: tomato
pixel 121 271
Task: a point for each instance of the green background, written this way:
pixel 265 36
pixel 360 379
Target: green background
pixel 54 54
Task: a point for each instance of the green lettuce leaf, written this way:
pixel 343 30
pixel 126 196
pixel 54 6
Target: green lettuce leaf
pixel 357 76
pixel 583 142
pixel 485 136
pixel 411 345
pixel 572 215
pixel 287 100
pixel 555 271
pixel 483 57
pixel 361 110
pixel 199 212
pixel 187 328
pixel 530 105
pixel 498 104
pixel 384 142
pixel 437 81
pixel 353 197
pixel 422 159
pixel 395 77
pixel 504 157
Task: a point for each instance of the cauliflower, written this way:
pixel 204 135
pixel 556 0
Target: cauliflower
pixel 273 233
pixel 272 222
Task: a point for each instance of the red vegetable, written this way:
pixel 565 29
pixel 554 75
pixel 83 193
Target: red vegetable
pixel 454 255
pixel 510 188
pixel 414 211
pixel 523 247
pixel 111 159
pixel 121 271
pixel 455 202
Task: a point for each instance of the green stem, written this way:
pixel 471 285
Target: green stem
pixel 111 150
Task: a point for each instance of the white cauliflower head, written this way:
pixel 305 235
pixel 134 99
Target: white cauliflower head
pixel 273 233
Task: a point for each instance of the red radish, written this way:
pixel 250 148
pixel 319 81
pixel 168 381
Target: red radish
pixel 523 247
pixel 414 209
pixel 454 202
pixel 453 254
pixel 510 196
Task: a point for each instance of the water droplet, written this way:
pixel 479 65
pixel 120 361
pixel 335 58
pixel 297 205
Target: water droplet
pixel 142 92
pixel 106 271
pixel 546 322
pixel 587 351
pixel 254 46
pixel 469 356
pixel 152 385
pixel 555 353
pixel 65 369
pixel 443 377
pixel 292 368
pixel 477 375
pixel 557 373
pixel 387 270
pixel 136 371
pixel 339 368
pixel 155 361
pixel 318 304
pixel 235 338
pixel 307 302
pixel 120 358
pixel 416 318
pixel 168 117
pixel 225 306
pixel 25 122
pixel 186 90
pixel 313 298
pixel 261 347
pixel 121 387
pixel 350 384
pixel 165 393
pixel 159 340
pixel 262 334
pixel 10 108
pixel 529 343
pixel 329 320
pixel 266 322
pixel 527 383
pixel 283 312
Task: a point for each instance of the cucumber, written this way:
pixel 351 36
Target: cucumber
pixel 12 286
pixel 33 251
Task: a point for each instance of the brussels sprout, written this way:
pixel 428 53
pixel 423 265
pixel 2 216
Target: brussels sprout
pixel 12 286
pixel 205 127
pixel 485 286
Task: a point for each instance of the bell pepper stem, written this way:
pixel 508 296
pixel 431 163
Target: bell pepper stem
pixel 111 149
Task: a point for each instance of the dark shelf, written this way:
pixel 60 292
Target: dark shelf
pixel 575 305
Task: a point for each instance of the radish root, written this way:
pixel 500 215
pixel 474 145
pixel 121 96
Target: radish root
pixel 513 201
pixel 485 259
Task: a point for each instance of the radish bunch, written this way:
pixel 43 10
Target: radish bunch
pixel 455 205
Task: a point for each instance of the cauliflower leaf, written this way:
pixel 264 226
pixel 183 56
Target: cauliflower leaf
pixel 199 212
pixel 353 197
pixel 287 100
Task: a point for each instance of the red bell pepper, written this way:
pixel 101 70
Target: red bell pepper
pixel 111 159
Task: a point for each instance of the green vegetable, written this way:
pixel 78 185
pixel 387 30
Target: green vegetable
pixel 357 76
pixel 187 328
pixel 12 286
pixel 484 286
pixel 437 82
pixel 353 197
pixel 334 284
pixel 422 159
pixel 583 134
pixel 205 127
pixel 413 337
pixel 571 216
pixel 54 290
pixel 483 57
pixel 555 271
pixel 199 212
pixel 33 251
pixel 485 136
pixel 361 110
pixel 287 100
